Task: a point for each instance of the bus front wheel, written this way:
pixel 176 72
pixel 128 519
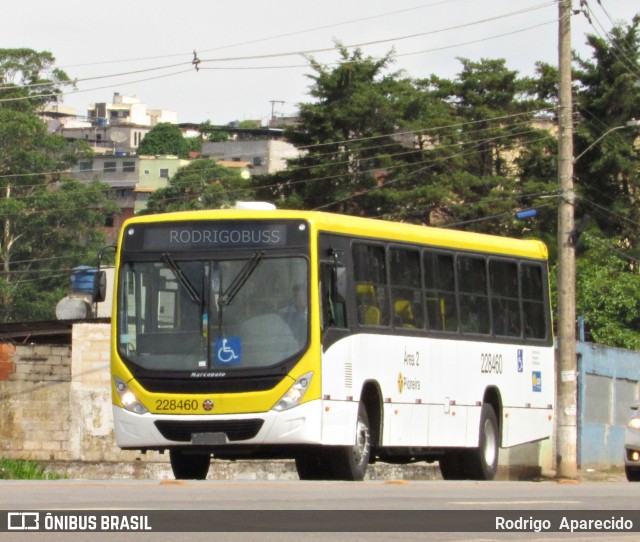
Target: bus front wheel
pixel 351 462
pixel 189 466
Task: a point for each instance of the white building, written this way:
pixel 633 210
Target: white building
pixel 111 127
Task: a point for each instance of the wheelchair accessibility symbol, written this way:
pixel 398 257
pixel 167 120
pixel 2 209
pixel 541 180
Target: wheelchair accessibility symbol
pixel 228 351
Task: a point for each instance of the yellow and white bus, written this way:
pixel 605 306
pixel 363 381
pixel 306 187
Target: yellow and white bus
pixel 333 340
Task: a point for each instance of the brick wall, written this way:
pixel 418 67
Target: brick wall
pixel 55 401
pixel 35 418
pixel 6 363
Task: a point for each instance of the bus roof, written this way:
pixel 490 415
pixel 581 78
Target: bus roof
pixel 370 228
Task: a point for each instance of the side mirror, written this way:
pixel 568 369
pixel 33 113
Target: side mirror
pixel 99 287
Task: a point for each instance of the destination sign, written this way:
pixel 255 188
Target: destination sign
pixel 196 236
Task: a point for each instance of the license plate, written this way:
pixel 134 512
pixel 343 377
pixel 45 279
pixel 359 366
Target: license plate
pixel 209 438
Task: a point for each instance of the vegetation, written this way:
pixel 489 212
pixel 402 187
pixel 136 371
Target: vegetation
pixel 48 223
pixel 15 469
pixel 165 138
pixel 202 184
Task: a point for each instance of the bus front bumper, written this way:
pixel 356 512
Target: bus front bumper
pixel 299 425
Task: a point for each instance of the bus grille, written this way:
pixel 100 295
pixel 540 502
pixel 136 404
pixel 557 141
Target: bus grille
pixel 181 431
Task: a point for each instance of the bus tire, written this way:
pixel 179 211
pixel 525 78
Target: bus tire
pixel 482 462
pixel 351 462
pixel 452 465
pixel 312 464
pixel 189 466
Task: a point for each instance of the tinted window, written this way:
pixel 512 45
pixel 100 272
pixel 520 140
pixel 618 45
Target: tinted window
pixel 505 304
pixel 472 287
pixel 440 295
pixel 533 301
pixel 370 275
pixel 406 288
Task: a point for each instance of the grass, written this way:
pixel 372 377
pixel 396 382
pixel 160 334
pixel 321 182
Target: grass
pixel 18 469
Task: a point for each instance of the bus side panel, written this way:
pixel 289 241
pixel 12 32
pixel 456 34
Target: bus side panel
pixel 455 426
pixel 525 425
pixel 339 422
pixel 432 390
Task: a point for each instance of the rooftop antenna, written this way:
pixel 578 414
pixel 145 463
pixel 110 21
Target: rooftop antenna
pixel 117 136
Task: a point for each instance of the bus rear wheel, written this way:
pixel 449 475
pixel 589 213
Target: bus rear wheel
pixel 452 465
pixel 479 463
pixel 189 466
pixel 482 462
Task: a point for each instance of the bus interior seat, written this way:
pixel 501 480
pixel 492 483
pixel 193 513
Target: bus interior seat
pixel 404 313
pixel 371 316
pixel 368 313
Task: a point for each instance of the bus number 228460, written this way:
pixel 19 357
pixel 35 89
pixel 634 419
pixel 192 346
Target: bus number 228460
pixel 491 363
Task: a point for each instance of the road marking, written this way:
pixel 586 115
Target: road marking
pixel 502 503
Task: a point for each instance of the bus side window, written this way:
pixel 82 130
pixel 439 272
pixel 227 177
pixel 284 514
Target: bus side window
pixel 369 271
pixel 533 301
pixel 406 288
pixel 333 295
pixel 505 305
pixel 440 295
pixel 473 298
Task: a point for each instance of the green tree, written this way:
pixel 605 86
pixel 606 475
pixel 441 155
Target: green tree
pixel 47 223
pixel 346 135
pixel 608 96
pixel 164 138
pixel 608 294
pixel 608 184
pixel 202 184
pixel 495 112
pixel 29 79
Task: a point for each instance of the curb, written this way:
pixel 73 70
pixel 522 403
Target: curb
pixel 259 470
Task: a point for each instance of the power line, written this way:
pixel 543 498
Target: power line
pixel 268 38
pixel 74 81
pixel 628 63
pixel 475 143
pixel 418 131
pixel 379 42
pixel 67 93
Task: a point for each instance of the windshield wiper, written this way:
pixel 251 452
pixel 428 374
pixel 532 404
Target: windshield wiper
pixel 182 279
pixel 238 282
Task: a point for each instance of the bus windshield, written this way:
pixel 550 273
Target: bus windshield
pixel 180 314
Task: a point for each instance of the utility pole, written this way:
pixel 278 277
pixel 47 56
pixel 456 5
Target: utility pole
pixel 567 374
pixel 273 106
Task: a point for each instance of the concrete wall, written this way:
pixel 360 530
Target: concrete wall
pixel 55 401
pixel 607 386
pixel 272 154
pixel 34 401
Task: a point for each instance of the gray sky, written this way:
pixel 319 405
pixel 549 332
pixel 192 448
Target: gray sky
pixel 252 52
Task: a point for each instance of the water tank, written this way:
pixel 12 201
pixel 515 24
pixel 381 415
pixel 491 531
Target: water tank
pixel 83 279
pixel 74 308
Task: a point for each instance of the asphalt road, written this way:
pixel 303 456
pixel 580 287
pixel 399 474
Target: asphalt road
pixel 387 510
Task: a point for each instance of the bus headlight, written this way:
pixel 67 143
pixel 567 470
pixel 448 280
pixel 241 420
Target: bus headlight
pixel 128 399
pixel 294 394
